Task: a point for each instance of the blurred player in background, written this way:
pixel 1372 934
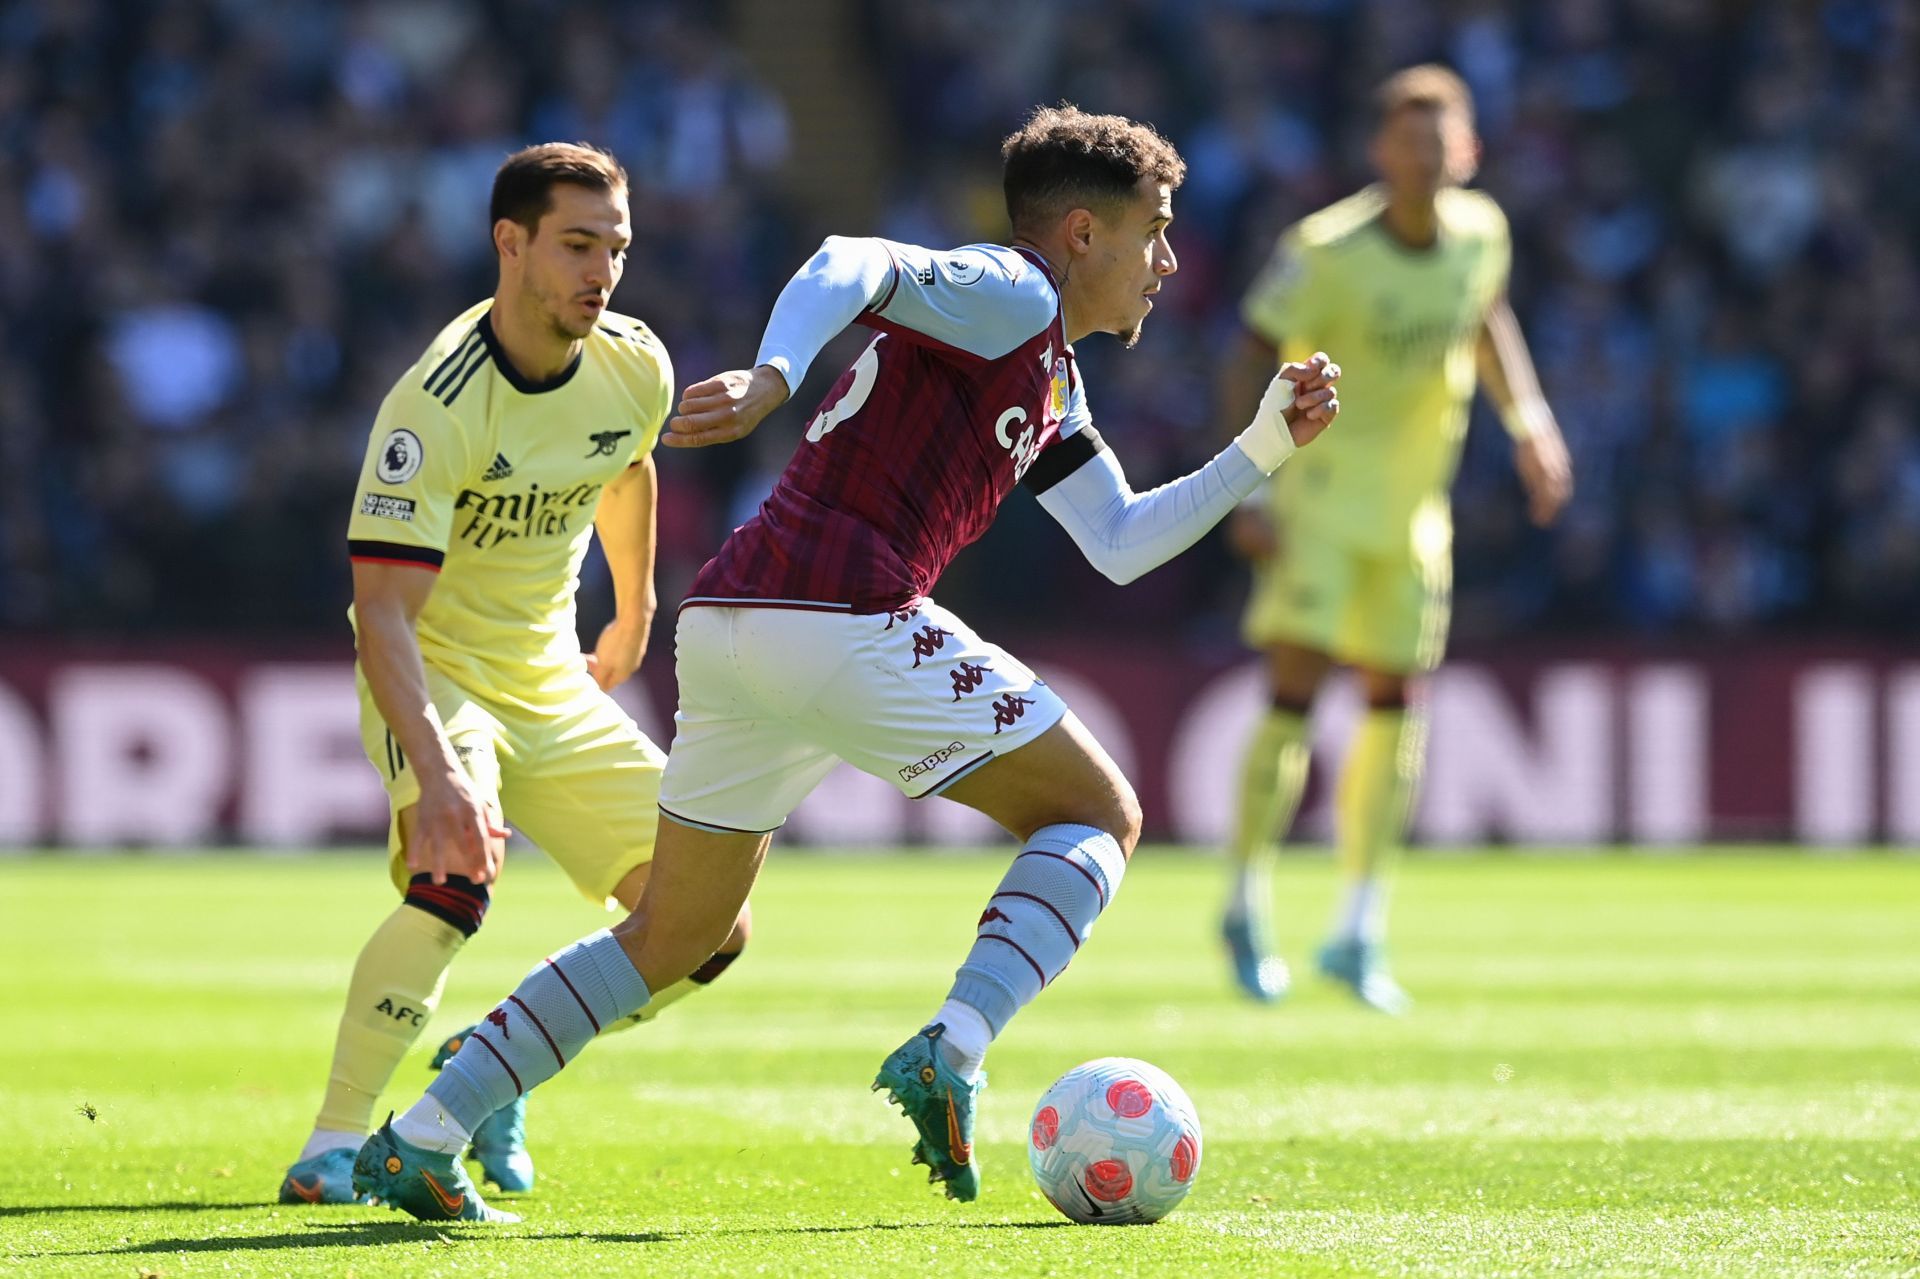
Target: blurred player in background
pixel 1352 547
pixel 528 425
pixel 810 638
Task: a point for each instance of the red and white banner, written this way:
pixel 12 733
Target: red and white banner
pixel 186 745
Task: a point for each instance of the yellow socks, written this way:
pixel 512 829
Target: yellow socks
pixel 1377 782
pixel 396 986
pixel 1272 775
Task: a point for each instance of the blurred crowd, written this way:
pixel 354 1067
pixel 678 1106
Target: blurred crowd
pixel 227 225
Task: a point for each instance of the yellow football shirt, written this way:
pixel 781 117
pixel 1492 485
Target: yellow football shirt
pixel 1403 325
pixel 493 481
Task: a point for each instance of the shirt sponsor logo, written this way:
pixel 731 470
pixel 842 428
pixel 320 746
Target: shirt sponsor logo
pixel 380 506
pixel 931 762
pixel 1422 340
pixel 1025 447
pixel 493 518
pixel 400 457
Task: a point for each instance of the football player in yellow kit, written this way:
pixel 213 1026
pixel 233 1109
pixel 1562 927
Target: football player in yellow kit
pixel 527 426
pixel 1352 548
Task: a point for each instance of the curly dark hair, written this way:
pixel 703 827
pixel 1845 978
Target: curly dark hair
pixel 523 187
pixel 1064 158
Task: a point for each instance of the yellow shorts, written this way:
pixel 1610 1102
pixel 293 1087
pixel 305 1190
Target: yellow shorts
pixel 580 780
pixel 1381 612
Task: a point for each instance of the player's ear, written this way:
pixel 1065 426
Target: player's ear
pixel 509 238
pixel 1471 159
pixel 1079 230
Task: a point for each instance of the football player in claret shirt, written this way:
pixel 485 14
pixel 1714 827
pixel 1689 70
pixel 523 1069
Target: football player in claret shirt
pixel 527 425
pixel 812 636
pixel 1353 546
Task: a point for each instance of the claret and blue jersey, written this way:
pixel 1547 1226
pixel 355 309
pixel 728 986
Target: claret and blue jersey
pixel 967 388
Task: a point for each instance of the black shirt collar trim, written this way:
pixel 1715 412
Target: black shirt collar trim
pixel 507 371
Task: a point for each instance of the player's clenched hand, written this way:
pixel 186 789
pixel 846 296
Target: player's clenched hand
pixel 1546 472
pixel 617 655
pixel 1316 400
pixel 455 833
pixel 726 407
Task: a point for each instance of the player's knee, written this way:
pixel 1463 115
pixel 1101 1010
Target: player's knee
pixel 1294 676
pixel 673 944
pixel 742 929
pixel 459 901
pixel 717 963
pixel 1113 808
pixel 1127 819
pixel 1384 690
pixel 709 972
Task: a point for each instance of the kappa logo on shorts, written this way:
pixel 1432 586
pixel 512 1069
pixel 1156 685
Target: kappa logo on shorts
pixel 967 676
pixel 928 641
pixel 1008 710
pixel 932 761
pixel 906 614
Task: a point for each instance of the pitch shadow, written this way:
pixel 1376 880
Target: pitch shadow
pixel 30 1210
pixel 881 1225
pixel 357 1234
pixel 373 1234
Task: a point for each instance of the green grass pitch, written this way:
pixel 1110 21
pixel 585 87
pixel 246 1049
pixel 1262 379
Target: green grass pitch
pixel 1699 1065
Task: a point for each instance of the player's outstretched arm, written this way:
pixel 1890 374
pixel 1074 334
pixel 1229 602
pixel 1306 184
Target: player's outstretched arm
pixel 625 522
pixel 1125 534
pixel 977 302
pixel 453 831
pixel 1539 452
pixel 842 279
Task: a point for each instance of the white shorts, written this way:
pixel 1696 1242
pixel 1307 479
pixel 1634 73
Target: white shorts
pixel 772 698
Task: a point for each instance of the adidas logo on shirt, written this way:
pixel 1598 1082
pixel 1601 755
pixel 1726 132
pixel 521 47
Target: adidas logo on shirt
pixel 500 469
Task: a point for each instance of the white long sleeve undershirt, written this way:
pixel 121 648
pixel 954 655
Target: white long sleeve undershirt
pixel 1124 534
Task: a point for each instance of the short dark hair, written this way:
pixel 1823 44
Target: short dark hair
pixel 523 188
pixel 1428 86
pixel 1063 158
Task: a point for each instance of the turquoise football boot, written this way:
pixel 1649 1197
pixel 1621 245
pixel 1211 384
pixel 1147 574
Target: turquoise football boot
pixel 1259 972
pixel 1362 968
pixel 500 1142
pixel 940 1103
pixel 327 1178
pixel 426 1184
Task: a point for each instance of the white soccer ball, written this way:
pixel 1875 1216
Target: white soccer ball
pixel 1114 1143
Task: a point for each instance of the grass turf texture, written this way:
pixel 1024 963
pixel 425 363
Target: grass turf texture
pixel 1621 1066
